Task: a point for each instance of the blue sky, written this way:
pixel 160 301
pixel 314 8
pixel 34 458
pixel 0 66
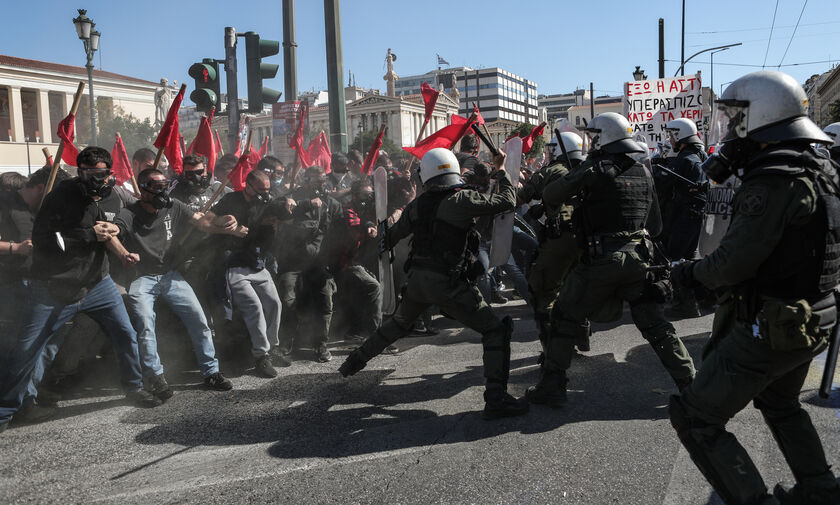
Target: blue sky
pixel 559 44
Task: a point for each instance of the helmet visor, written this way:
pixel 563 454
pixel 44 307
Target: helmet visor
pixel 730 119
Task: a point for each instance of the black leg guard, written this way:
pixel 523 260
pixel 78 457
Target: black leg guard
pixel 387 334
pixel 719 457
pixel 496 345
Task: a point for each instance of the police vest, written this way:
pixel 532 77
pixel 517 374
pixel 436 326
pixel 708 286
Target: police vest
pixel 806 261
pixel 618 200
pixel 436 243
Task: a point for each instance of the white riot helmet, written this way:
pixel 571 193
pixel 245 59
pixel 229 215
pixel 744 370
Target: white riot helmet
pixel 573 144
pixel 437 162
pixel 833 131
pixel 612 133
pixel 684 131
pixel 767 106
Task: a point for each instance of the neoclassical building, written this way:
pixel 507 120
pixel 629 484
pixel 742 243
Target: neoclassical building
pixel 36 95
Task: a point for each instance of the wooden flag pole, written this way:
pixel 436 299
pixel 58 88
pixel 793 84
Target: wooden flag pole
pixel 216 193
pixel 419 138
pixel 60 150
pixel 160 149
pixel 133 178
pixel 46 152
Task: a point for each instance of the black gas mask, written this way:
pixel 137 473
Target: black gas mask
pixel 728 159
pixel 159 191
pixel 96 181
pixel 363 201
pixel 195 181
pixel 260 197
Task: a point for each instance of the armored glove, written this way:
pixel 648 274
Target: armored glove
pixel 682 275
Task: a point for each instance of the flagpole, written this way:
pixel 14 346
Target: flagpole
pixel 370 151
pixel 216 193
pixel 60 150
pixel 419 138
pixel 133 178
pixel 160 149
pixel 46 152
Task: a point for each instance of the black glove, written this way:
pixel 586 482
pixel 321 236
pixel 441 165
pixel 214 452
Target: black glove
pixel 682 275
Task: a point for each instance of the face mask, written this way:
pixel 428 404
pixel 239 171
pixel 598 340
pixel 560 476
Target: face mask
pixel 97 182
pixel 364 201
pixel 195 180
pixel 263 198
pixel 734 153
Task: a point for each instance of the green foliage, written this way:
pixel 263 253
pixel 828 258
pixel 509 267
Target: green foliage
pixel 523 129
pixel 111 120
pixel 367 139
pixel 834 112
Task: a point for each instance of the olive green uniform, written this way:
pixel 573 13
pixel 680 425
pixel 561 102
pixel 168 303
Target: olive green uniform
pixel 558 251
pixel 429 283
pixel 772 320
pixel 617 201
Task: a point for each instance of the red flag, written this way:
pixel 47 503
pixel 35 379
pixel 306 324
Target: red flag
pixel 67 133
pixel 240 172
pixel 446 137
pixel 373 153
pixel 169 138
pixel 478 117
pixel 319 152
pixel 219 149
pixel 121 165
pixel 528 141
pixel 204 144
pixel 430 96
pixel 296 142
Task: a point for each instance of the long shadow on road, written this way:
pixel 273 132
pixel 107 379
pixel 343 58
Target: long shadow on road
pixel 325 415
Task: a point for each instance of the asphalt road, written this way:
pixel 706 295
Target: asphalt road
pixel 407 429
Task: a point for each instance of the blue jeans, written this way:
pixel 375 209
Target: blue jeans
pixel 177 293
pixel 40 339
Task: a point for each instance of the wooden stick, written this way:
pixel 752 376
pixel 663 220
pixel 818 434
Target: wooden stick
pixel 60 150
pixel 419 138
pixel 160 149
pixel 216 193
pixel 47 155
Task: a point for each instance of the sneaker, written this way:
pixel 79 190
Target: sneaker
pixel 550 391
pixel 143 399
pixel 498 298
pixel 159 387
pixel 798 495
pixel 353 364
pixel 322 354
pixel 264 368
pixel 218 382
pixel 500 404
pixel 280 358
pixel 32 413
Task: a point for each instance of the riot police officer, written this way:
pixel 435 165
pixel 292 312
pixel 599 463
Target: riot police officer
pixel 779 307
pixel 688 201
pixel 558 250
pixel 617 202
pixel 442 221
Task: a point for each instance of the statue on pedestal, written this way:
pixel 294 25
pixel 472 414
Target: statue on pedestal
pixel 390 75
pixel 163 100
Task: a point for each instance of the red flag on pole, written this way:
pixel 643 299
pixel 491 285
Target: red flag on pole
pixel 67 133
pixel 204 144
pixel 296 142
pixel 528 141
pixel 169 138
pixel 430 97
pixel 319 153
pixel 240 172
pixel 121 165
pixel 446 137
pixel 478 117
pixel 373 153
pixel 220 151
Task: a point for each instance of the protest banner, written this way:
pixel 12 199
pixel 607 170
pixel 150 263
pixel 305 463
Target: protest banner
pixel 649 105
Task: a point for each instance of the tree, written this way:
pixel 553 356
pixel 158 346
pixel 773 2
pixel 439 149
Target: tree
pixel 522 130
pixel 834 112
pixel 110 121
pixel 367 139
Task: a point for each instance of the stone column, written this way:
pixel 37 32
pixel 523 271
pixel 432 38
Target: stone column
pixel 44 126
pixel 16 114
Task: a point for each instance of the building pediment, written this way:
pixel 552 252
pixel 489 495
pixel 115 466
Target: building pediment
pixel 373 100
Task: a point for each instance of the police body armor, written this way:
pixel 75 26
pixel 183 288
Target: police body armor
pixel 441 246
pixel 618 200
pixel 557 219
pixel 806 262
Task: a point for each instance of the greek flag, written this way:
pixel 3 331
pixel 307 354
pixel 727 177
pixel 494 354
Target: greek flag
pixel 441 61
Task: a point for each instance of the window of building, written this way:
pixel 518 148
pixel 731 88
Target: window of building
pixel 29 109
pixel 5 117
pixel 57 111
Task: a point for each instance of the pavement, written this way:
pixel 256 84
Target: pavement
pixel 405 430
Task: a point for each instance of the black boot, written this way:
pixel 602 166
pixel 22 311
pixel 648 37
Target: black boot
pixel 799 495
pixel 353 364
pixel 550 390
pixel 498 403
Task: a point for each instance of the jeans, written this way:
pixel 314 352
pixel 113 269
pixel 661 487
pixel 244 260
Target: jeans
pixel 255 295
pixel 177 293
pixel 38 341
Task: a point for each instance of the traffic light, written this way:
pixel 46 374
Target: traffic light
pixel 255 51
pixel 206 94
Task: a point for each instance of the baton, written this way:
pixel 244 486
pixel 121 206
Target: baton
pixel 830 361
pixel 487 141
pixel 563 148
pixel 678 176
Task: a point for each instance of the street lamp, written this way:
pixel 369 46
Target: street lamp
pixel 639 74
pixel 90 38
pixel 712 64
pixel 682 66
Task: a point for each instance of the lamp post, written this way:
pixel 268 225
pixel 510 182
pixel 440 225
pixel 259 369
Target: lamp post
pixel 682 66
pixel 639 74
pixel 724 84
pixel 90 38
pixel 712 64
